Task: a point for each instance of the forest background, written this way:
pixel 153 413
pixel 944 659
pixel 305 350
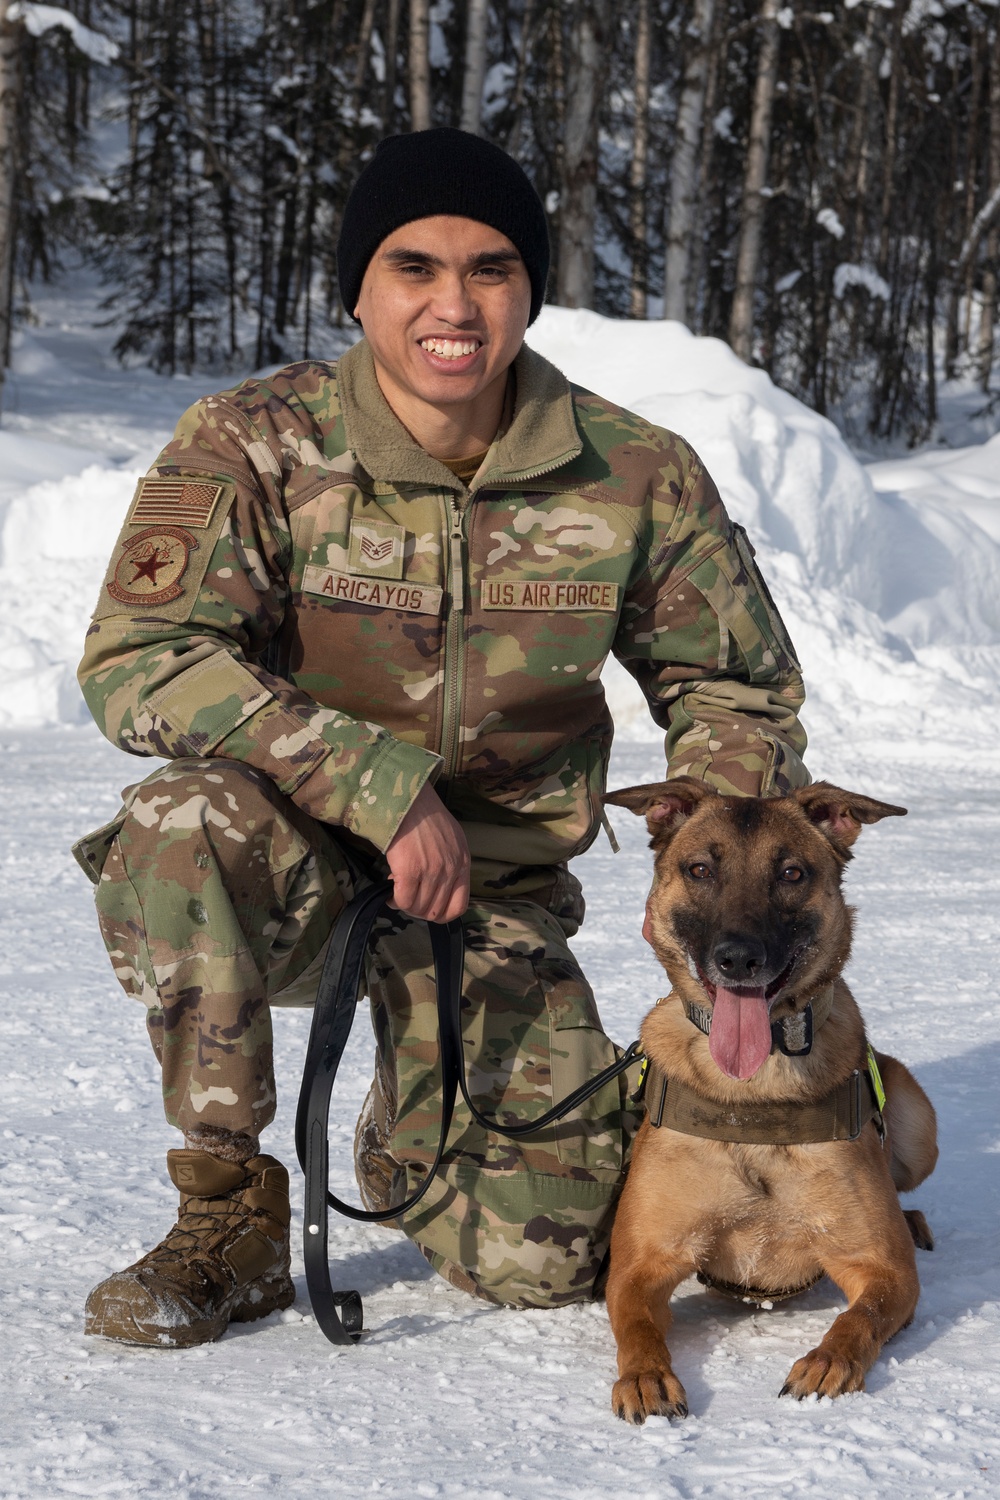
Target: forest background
pixel 821 188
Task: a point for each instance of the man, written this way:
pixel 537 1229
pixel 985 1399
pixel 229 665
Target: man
pixel 363 609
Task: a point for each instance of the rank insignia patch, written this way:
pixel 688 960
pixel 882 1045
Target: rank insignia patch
pixel 151 566
pixel 376 548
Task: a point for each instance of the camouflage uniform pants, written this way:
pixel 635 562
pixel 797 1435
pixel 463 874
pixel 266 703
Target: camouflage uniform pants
pixel 216 897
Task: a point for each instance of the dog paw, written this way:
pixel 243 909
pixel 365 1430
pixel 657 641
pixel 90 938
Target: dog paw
pixel 820 1373
pixel 920 1230
pixel 655 1394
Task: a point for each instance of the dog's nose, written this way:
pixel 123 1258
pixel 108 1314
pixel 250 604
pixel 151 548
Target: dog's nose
pixel 739 959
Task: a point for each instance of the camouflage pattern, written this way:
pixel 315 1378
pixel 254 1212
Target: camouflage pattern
pixel 216 896
pixel 312 618
pixel 300 588
pixel 214 891
pixel 526 1223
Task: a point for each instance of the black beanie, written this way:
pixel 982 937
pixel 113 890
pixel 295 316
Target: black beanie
pixel 441 171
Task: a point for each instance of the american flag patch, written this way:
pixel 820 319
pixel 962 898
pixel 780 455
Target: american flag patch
pixel 175 502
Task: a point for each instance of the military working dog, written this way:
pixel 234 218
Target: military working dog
pixel 771 1154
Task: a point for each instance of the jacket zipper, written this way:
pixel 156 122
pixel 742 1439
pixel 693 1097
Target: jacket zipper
pixel 454 637
pixel 454 641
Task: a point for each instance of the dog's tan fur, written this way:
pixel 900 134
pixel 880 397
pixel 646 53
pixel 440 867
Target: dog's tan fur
pixel 764 1216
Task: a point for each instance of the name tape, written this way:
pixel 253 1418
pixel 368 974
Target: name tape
pixel 376 593
pixel 530 593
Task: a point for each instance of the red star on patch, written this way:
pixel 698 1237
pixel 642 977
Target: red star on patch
pixel 149 569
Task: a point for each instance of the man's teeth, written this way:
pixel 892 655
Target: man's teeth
pixel 450 348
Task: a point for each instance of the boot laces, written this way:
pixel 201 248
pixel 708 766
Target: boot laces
pixel 197 1232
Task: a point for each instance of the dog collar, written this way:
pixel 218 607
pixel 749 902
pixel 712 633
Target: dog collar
pixel 792 1035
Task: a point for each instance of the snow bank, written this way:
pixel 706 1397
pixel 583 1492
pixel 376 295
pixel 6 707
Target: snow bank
pixel 55 541
pixel 889 577
pixel 889 581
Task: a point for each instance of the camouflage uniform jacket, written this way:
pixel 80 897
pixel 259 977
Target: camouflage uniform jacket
pixel 299 586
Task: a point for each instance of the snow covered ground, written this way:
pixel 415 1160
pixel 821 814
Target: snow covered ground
pixel 890 578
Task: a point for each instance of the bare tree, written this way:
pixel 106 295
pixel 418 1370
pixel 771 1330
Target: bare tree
pixel 682 210
pixel 891 137
pixel 637 171
pixel 987 320
pixel 420 64
pixel 961 293
pixel 517 103
pixel 477 15
pixel 755 181
pixel 869 54
pixel 9 85
pixel 391 49
pixel 717 44
pixel 578 194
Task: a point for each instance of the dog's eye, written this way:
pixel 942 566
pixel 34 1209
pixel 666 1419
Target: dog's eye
pixel 792 873
pixel 699 872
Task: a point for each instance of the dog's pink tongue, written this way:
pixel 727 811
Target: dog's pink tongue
pixel 740 1038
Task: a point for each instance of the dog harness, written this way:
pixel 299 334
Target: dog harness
pixel 840 1115
pixel 756 1294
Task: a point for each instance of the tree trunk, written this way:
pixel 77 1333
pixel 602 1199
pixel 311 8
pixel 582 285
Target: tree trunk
pixel 420 65
pixel 637 173
pixel 979 63
pixel 361 57
pixel 989 211
pixel 10 78
pixel 684 167
pixel 754 183
pixel 717 50
pixel 891 137
pixel 930 317
pixel 477 15
pixel 391 48
pixel 861 137
pixel 956 339
pixel 578 194
pixel 517 107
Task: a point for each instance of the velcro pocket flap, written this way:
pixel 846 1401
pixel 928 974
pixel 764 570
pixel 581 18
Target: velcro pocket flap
pixel 208 700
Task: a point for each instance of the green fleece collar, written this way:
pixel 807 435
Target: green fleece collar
pixel 542 436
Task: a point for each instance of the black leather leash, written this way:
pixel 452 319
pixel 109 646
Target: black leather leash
pixel 340 1314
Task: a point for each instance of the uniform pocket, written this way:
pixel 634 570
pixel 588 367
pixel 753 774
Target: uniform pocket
pixel 533 1036
pixel 91 852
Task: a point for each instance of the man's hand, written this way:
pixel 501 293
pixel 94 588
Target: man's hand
pixel 429 861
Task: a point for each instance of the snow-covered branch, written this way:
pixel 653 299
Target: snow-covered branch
pixel 38 19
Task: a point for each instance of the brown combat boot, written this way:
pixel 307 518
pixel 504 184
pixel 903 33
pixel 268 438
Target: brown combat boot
pixel 225 1260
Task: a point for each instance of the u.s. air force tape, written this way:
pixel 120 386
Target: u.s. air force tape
pixel 545 594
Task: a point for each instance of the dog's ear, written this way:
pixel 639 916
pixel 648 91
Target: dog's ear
pixel 839 814
pixel 664 804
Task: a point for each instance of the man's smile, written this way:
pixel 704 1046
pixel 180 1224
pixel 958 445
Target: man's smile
pixel 446 348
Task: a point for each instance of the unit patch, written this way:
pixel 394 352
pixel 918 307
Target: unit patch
pixel 175 502
pixel 376 548
pixel 413 598
pixel 151 566
pixel 544 594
